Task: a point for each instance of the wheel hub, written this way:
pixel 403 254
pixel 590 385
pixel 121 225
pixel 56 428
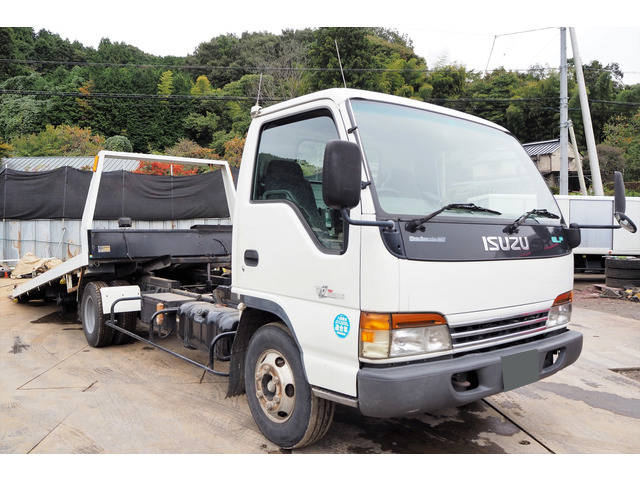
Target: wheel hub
pixel 89 315
pixel 275 386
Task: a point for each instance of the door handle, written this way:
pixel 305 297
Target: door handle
pixel 251 258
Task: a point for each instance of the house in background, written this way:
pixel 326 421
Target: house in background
pixel 546 157
pixel 40 164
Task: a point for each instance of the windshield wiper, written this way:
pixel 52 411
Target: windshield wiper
pixel 542 212
pixel 413 225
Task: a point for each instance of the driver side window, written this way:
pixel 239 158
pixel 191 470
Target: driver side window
pixel 289 169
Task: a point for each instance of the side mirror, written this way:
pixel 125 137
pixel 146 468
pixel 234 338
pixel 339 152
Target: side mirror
pixel 620 201
pixel 573 236
pixel 620 204
pixel 341 174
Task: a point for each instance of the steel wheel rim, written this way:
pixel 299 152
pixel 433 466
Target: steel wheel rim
pixel 89 315
pixel 275 386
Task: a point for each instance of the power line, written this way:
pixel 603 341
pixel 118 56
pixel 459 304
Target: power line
pixel 197 67
pixel 255 68
pixel 135 95
pixel 495 37
pixel 104 95
pixel 526 31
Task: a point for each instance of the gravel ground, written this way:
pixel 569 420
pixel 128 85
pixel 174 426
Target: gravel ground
pixel 586 295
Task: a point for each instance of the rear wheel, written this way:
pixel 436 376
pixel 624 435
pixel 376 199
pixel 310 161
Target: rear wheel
pixel 93 320
pixel 280 399
pixel 126 320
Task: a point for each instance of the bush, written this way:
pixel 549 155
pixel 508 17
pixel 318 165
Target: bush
pixel 233 151
pixel 5 149
pixel 184 148
pixel 189 148
pixel 118 143
pixel 63 140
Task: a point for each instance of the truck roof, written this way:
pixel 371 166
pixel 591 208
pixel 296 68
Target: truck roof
pixel 340 95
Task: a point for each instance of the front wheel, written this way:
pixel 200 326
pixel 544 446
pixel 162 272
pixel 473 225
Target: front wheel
pixel 280 399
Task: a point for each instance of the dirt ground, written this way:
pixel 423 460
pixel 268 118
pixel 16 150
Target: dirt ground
pixel 585 295
pixel 57 395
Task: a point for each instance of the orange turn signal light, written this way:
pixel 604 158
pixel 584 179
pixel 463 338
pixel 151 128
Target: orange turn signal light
pixel 374 321
pixel 386 321
pixel 409 320
pixel 566 297
pixel 367 336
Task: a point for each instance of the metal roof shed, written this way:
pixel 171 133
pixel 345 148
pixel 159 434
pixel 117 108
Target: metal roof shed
pixel 38 164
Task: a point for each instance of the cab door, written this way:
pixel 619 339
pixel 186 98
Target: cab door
pixel 293 253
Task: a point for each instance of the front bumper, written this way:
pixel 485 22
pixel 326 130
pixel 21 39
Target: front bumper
pixel 396 391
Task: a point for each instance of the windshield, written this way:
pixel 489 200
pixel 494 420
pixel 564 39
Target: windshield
pixel 421 161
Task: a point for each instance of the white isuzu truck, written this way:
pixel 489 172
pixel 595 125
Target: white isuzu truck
pixel 385 254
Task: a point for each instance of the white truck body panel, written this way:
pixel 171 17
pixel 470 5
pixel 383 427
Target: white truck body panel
pixel 468 289
pixel 291 268
pixel 598 210
pixel 111 294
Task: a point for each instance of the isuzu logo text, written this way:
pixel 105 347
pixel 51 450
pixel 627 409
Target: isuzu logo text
pixel 493 244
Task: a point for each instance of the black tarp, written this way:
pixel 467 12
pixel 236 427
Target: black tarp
pixel 61 193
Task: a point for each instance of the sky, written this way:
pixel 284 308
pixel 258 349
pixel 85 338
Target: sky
pixel 460 31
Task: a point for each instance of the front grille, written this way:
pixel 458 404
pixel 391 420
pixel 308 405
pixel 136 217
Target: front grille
pixel 480 334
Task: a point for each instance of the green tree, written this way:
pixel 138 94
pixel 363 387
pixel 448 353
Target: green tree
pixel 610 159
pixel 21 115
pixel 624 134
pixel 201 127
pixel 448 81
pixel 355 52
pixel 165 85
pixel 202 86
pixel 6 51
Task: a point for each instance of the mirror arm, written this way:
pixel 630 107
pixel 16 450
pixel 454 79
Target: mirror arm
pixel 389 224
pixel 601 227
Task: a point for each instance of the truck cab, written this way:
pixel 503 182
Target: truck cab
pixel 393 310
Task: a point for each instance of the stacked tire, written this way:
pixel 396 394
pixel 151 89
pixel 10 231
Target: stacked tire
pixel 622 272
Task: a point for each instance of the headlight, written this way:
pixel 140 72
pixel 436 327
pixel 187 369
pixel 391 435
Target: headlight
pixel 384 335
pixel 560 312
pixel 414 341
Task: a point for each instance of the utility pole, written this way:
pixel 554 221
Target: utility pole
pixel 583 185
pixel 564 115
pixel 596 179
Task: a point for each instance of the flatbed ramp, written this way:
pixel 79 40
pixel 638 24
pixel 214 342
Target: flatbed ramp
pixel 207 244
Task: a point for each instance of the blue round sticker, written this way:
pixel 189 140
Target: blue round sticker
pixel 341 325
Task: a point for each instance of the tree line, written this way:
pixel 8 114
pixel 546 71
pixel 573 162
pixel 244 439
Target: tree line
pixel 62 98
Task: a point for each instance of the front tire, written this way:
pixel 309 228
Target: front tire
pixel 280 399
pixel 92 318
